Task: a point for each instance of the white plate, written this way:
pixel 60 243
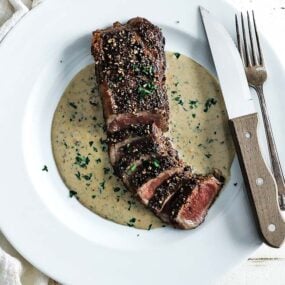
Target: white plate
pixel 55 233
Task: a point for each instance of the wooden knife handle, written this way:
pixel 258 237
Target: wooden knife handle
pixel 259 181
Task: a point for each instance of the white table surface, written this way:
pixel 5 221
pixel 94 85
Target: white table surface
pixel 267 265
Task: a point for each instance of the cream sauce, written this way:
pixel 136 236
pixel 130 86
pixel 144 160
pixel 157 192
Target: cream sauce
pixel 198 128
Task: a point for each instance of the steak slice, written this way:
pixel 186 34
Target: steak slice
pixel 167 189
pixel 130 70
pixel 127 152
pixel 126 141
pixel 190 205
pixel 147 191
pixel 125 136
pixel 151 174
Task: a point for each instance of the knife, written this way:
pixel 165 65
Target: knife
pixel 243 120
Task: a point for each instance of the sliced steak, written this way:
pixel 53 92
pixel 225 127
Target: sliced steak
pixel 130 70
pixel 191 203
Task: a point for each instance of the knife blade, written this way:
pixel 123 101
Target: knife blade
pixel 243 121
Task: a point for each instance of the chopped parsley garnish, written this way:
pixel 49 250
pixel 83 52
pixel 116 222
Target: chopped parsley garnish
pixel 81 160
pixel 156 163
pixel 235 184
pixel 93 196
pixel 73 105
pixel 98 160
pixel 116 189
pixel 91 143
pixel 146 89
pixel 45 168
pixel 144 69
pixel 101 186
pixel 103 143
pixel 178 100
pixel 106 170
pixel 209 140
pixel 147 70
pixel 93 101
pixel 208 155
pixel 193 115
pixel 176 84
pixel 131 222
pixel 135 67
pixel 193 104
pixel 133 167
pixel 149 227
pixel 78 175
pixel 130 204
pixel 87 176
pixel 72 193
pixel 95 149
pixel 210 102
pixel 177 54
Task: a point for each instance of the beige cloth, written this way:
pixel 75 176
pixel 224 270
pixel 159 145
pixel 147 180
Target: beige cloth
pixel 11 11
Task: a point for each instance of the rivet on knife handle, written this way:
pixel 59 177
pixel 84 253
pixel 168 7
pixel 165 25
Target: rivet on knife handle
pixel 260 183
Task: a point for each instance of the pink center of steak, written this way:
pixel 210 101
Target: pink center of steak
pixel 193 211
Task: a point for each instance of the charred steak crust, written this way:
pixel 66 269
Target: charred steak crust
pixel 130 71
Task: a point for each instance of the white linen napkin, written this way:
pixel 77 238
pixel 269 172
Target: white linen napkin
pixel 11 11
pixel 14 269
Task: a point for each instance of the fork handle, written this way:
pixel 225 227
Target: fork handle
pixel 260 183
pixel 275 162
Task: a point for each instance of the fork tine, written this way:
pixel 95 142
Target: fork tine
pixel 257 40
pixel 247 55
pixel 253 50
pixel 239 41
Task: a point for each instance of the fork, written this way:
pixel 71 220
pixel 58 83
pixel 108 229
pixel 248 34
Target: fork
pixel 253 61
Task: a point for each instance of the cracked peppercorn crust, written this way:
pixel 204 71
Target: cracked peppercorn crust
pixel 130 70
